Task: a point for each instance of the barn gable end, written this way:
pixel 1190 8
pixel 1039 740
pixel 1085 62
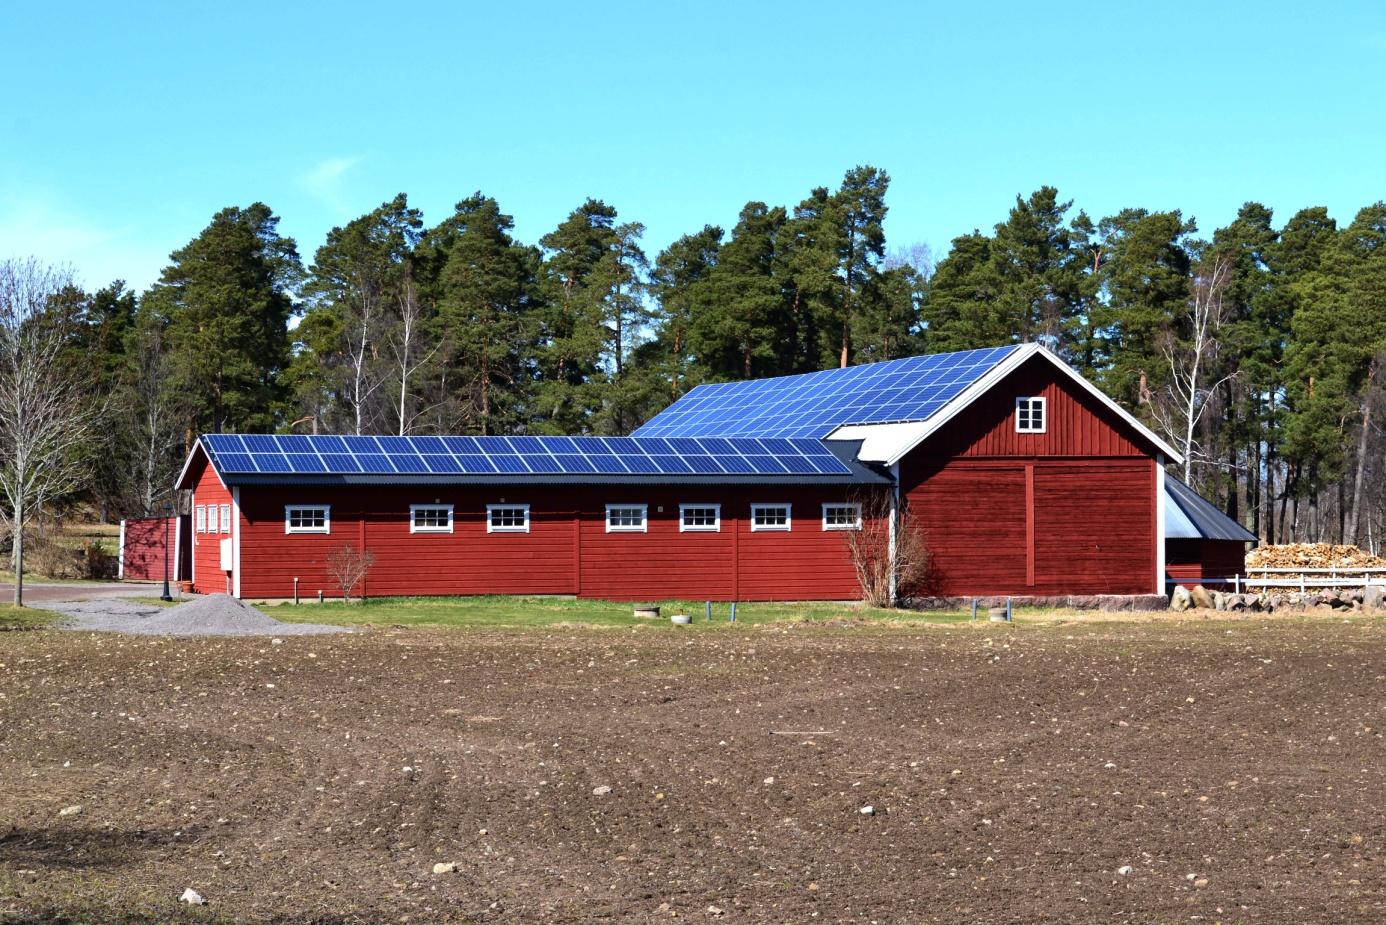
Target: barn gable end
pixel 1070 511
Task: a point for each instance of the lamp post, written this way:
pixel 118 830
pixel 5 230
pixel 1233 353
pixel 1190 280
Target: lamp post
pixel 166 596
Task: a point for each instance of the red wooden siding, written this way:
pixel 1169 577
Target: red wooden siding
pixel 1188 561
pixel 1095 528
pixel 1068 511
pixel 567 550
pixel 142 550
pixel 208 576
pixel 973 521
pixel 1077 423
pixel 467 561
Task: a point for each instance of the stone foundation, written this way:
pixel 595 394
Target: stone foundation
pixel 1101 602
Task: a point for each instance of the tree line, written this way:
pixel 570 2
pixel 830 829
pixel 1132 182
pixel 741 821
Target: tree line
pixel 1256 350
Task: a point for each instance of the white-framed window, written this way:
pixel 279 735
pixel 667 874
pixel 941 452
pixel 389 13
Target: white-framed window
pixel 507 518
pixel 770 517
pixel 841 516
pixel 200 518
pixel 626 518
pixel 225 518
pixel 1030 416
pixel 307 518
pixel 700 518
pixel 430 518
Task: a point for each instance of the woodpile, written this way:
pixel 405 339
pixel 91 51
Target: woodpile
pixel 1312 555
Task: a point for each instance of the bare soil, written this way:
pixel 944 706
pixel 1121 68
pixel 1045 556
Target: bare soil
pixel 1015 774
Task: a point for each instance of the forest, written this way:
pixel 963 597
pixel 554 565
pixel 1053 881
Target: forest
pixel 1256 348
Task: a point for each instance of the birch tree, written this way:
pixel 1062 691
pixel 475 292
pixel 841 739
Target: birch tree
pixel 46 421
pixel 1189 360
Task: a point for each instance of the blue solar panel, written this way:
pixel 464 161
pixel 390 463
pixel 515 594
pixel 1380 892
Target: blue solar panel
pixel 474 463
pixel 816 404
pixel 259 443
pixel 407 463
pixel 270 462
pixel 525 455
pixel 236 462
pixel 374 463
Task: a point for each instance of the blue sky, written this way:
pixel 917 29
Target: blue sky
pixel 127 125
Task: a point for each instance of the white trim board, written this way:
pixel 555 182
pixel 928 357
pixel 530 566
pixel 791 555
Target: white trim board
pixel 891 446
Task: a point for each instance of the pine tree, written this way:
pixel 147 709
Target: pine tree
pixel 679 285
pixel 736 336
pixel 228 295
pixel 361 279
pixel 485 293
pixel 963 310
pixel 856 213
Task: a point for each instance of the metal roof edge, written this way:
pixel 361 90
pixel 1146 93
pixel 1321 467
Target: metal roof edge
pixel 1204 514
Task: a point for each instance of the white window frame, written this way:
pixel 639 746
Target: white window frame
pixel 326 518
pixel 772 528
pixel 491 526
pixel 644 525
pixel 414 521
pixel 856 520
pixel 224 518
pixel 1031 403
pixel 714 527
pixel 200 518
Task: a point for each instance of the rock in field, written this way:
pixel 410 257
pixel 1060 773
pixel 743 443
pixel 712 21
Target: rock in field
pixel 601 791
pixel 70 811
pixel 445 868
pixel 1200 597
pixel 192 898
pixel 1180 601
pixel 1374 597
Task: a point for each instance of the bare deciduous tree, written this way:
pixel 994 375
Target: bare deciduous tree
pixel 46 421
pixel 405 344
pixel 155 435
pixel 348 567
pixel 1186 396
pixel 889 567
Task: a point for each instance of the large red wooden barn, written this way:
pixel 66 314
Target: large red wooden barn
pixel 1023 478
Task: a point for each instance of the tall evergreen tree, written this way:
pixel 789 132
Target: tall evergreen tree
pixel 360 282
pixel 228 295
pixel 485 292
pixel 679 285
pixel 736 336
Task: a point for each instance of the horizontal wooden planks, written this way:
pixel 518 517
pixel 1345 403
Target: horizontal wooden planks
pixel 567 551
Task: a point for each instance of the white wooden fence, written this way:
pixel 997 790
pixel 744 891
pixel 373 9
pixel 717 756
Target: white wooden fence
pixel 1301 579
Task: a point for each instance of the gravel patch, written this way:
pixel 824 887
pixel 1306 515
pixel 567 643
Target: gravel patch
pixel 214 615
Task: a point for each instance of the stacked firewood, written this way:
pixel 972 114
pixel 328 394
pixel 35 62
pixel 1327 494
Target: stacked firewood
pixel 1312 555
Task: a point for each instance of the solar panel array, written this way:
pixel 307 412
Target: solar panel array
pixel 272 454
pixel 815 404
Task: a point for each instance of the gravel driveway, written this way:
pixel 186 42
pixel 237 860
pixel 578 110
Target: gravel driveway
pixel 214 615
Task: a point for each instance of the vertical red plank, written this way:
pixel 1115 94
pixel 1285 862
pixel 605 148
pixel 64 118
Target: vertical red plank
pixel 1030 524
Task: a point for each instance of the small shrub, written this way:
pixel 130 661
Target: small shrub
pixel 870 552
pixel 348 567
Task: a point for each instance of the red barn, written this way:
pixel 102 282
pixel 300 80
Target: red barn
pixel 1023 478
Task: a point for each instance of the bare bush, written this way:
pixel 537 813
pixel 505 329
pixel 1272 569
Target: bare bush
pixel 348 567
pixel 887 572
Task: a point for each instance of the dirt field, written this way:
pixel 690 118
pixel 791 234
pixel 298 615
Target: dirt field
pixel 1134 772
